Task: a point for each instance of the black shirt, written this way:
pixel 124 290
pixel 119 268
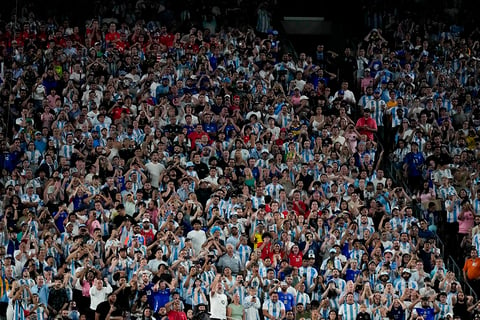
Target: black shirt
pixel 202 170
pixel 123 298
pixel 57 298
pixel 104 307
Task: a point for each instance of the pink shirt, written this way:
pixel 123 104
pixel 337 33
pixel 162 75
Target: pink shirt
pixel 466 224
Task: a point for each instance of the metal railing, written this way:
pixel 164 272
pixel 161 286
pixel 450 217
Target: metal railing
pixel 449 261
pixel 453 266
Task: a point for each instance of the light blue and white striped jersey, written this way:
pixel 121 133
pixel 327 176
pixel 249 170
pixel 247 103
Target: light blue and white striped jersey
pixel 396 120
pixel 244 252
pixel 274 308
pixel 364 100
pixel 306 155
pixel 295 144
pixel 39 311
pixel 18 310
pixel 356 254
pixel 377 108
pixel 284 120
pixel 273 190
pixel 67 151
pixel 176 248
pixel 476 206
pixel 407 222
pixel 349 311
pixel 262 163
pixel 444 309
pixel 401 285
pixel 452 214
pixel 196 295
pixel 310 274
pixel 257 201
pixel 303 298
pixel 445 191
pixel 242 293
pixel 476 241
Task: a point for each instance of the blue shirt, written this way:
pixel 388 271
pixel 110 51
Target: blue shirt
pixel 427 313
pixel 287 299
pixel 414 162
pixel 40 145
pixel 159 299
pixel 210 127
pixel 61 218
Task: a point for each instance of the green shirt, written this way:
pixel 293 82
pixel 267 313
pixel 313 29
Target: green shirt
pixel 237 311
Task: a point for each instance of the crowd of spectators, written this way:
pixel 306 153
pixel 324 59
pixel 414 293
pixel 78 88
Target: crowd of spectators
pixel 154 174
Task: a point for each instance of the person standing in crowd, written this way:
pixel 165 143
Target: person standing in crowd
pixel 218 299
pixel 471 270
pixel 153 164
pixel 366 125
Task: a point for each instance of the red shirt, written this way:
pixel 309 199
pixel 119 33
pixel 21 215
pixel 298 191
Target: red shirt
pixel 112 37
pixel 194 136
pixel 148 236
pixel 176 315
pixel 117 112
pixel 234 107
pixel 266 251
pixel 302 205
pixel 295 260
pixel 167 39
pixel 370 122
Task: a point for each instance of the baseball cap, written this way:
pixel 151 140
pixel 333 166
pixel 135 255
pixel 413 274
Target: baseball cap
pixel 332 250
pixel 388 251
pixel 303 98
pixel 145 220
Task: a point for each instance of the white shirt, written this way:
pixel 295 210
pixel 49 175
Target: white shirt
pixel 198 239
pixel 218 305
pixel 98 296
pixel 155 169
pixel 251 308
